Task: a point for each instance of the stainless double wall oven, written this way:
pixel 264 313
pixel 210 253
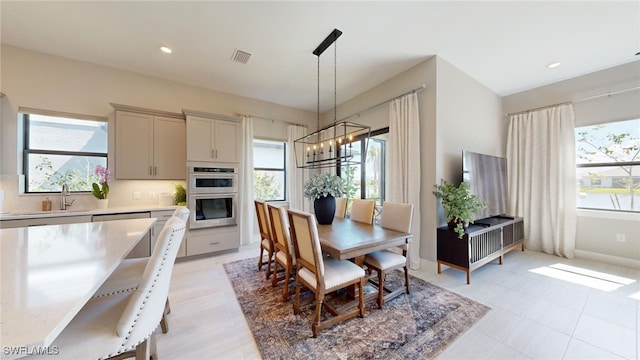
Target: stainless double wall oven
pixel 213 196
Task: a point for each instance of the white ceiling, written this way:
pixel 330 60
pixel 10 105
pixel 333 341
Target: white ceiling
pixel 504 45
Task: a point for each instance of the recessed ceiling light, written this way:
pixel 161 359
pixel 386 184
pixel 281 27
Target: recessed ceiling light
pixel 553 65
pixel 165 50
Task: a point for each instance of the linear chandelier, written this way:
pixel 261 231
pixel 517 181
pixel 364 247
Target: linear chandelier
pixel 332 145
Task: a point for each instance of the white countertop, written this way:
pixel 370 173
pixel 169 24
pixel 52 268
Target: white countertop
pixel 18 215
pixel 49 273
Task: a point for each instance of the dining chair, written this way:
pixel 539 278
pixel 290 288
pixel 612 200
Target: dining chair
pixel 127 276
pixel 283 247
pixel 362 210
pixel 123 325
pixel 395 216
pixel 341 207
pixel 266 241
pixel 321 274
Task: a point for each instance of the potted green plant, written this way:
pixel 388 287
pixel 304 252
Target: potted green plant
pixel 180 195
pixel 459 203
pixel 323 189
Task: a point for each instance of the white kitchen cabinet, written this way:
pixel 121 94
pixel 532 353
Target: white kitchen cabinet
pixel 212 138
pixel 204 241
pixel 149 144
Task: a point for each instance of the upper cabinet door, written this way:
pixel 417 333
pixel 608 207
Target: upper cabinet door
pixel 199 140
pixel 134 146
pixel 212 140
pixel 227 140
pixel 170 150
pixel 150 146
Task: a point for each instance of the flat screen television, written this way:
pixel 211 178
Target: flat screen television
pixel 486 176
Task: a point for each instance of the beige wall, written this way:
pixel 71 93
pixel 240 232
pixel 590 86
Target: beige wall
pixel 451 101
pixel 37 80
pixel 456 113
pixel 596 230
pixel 468 118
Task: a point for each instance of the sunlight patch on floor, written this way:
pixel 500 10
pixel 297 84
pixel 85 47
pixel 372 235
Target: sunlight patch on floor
pixel 593 279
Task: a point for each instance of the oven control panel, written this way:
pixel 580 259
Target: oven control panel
pixel 197 169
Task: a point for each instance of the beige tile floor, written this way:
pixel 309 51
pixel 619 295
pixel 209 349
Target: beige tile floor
pixel 543 307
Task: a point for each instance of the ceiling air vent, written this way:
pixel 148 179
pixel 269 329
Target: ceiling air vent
pixel 241 56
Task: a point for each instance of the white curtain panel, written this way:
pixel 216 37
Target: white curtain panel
pixel 404 163
pixel 247 209
pixel 542 177
pixel 295 177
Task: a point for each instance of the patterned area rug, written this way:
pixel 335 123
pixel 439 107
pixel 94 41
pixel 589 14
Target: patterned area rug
pixel 416 326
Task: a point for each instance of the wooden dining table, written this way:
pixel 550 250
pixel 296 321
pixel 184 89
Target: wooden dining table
pixel 50 272
pixel 348 239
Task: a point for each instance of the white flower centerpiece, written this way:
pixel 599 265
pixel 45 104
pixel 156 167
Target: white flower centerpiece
pixel 323 189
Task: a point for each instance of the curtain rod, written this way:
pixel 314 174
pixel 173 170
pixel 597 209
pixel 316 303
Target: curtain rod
pixel 422 87
pixel 578 100
pixel 266 118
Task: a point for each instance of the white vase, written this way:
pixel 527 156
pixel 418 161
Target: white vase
pixel 102 203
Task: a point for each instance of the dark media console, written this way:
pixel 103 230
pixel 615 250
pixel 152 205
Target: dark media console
pixel 484 241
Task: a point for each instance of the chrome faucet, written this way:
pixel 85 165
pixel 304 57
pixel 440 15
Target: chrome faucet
pixel 63 197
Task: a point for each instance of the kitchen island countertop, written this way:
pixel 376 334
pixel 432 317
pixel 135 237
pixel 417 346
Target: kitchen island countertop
pixel 19 215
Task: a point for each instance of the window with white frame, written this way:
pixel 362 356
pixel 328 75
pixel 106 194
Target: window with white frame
pixel 269 170
pixel 608 166
pixel 62 148
pixel 366 181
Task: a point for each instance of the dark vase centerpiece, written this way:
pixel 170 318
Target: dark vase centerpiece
pixel 323 190
pixel 325 209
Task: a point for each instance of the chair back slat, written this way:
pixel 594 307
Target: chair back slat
pixel 263 221
pixel 362 210
pixel 397 216
pixel 144 309
pixel 280 229
pixel 341 207
pixel 306 242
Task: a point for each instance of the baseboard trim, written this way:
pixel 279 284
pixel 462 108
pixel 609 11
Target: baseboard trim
pixel 608 259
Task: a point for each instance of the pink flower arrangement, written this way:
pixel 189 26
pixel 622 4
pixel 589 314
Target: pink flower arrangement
pixel 101 189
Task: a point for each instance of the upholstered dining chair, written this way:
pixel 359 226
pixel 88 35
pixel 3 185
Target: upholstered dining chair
pixel 341 207
pixel 321 274
pixel 266 240
pixel 362 210
pixel 123 325
pixel 127 276
pixel 283 247
pixel 395 216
